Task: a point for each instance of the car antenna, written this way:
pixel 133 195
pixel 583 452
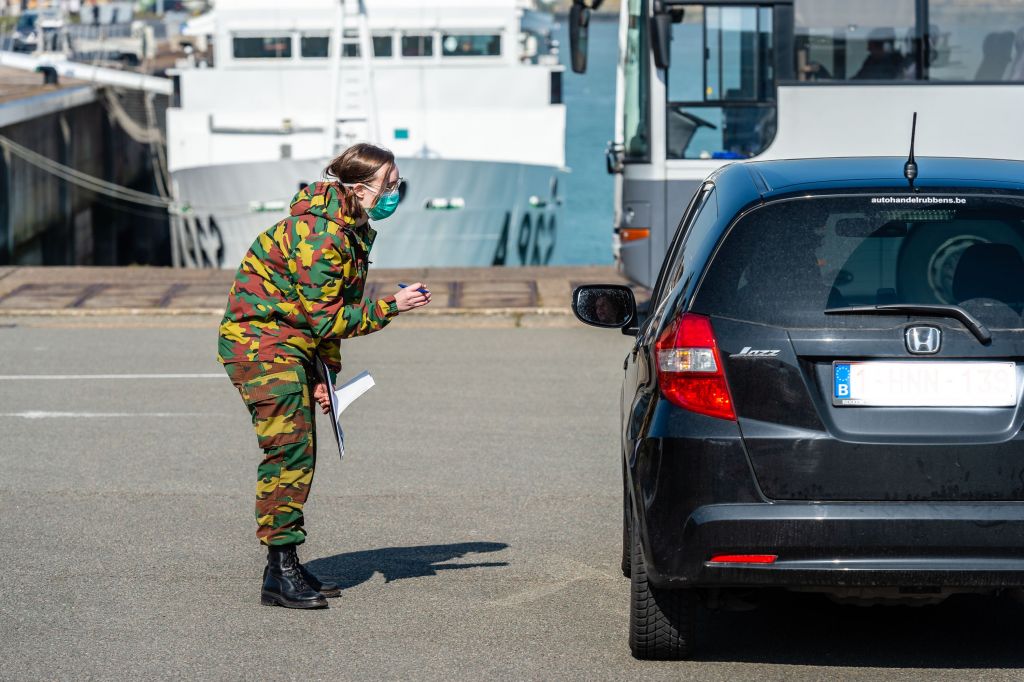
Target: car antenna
pixel 910 167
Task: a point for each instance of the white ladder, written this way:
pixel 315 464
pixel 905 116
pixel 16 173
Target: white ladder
pixel 353 107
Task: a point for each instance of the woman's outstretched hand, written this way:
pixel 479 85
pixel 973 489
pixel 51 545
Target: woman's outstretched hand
pixel 321 396
pixel 411 297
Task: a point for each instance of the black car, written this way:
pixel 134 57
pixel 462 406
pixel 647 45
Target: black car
pixel 825 394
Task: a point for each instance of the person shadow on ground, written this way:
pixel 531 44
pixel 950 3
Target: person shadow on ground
pixel 395 563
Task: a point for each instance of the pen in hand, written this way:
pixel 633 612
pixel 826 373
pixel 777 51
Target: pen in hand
pixel 422 290
pixel 411 296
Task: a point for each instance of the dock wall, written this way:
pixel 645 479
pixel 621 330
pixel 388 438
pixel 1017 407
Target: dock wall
pixel 46 220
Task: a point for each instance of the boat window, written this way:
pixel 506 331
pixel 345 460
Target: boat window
pixel 636 75
pixel 463 45
pixel 350 43
pixel 315 46
pixel 417 45
pixel 900 40
pixel 383 46
pixel 721 82
pixel 262 47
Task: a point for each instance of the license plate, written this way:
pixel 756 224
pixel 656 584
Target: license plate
pixel 924 384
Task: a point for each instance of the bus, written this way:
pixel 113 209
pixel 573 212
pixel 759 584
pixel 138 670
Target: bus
pixel 702 84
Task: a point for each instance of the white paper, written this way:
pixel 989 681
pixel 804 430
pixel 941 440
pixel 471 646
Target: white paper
pixel 342 397
pixel 349 391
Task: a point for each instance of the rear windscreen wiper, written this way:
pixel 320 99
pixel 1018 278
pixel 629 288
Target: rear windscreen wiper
pixel 933 310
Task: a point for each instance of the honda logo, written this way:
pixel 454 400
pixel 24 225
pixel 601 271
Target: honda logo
pixel 923 340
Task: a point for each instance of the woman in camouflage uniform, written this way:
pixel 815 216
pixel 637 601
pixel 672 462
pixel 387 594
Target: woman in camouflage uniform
pixel 297 293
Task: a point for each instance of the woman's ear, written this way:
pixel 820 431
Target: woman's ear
pixel 359 193
pixel 352 206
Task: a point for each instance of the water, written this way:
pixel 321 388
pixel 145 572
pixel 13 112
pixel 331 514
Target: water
pixel 590 124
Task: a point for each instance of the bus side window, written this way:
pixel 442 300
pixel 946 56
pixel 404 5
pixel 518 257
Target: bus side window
pixel 934 40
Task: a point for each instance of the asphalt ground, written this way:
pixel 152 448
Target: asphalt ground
pixel 475 524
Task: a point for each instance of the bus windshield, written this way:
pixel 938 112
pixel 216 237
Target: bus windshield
pixel 721 89
pixel 635 83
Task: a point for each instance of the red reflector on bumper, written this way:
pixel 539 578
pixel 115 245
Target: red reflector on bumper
pixel 744 558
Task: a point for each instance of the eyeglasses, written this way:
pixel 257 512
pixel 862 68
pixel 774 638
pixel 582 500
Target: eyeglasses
pixel 386 189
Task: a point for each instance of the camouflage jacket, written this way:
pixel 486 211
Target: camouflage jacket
pixel 299 289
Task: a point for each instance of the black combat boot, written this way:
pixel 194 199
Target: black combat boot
pixel 285 585
pixel 324 587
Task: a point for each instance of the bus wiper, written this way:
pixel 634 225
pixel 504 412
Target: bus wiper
pixel 933 310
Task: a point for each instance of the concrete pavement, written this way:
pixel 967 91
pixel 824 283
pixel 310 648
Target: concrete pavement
pixel 540 294
pixel 474 524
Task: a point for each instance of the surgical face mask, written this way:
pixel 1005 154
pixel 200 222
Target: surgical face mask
pixel 385 206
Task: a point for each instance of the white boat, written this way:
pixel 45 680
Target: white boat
pixel 467 93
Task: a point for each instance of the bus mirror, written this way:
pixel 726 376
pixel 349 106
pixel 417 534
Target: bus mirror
pixel 661 36
pixel 579 25
pixel 613 158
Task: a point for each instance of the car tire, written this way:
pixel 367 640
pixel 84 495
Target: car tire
pixel 662 623
pixel 627 524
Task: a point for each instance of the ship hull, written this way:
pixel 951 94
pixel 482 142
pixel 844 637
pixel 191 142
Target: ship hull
pixel 453 213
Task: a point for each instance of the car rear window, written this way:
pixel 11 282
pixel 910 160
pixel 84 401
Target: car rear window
pixel 785 263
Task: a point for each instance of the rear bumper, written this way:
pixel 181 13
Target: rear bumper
pixel 960 545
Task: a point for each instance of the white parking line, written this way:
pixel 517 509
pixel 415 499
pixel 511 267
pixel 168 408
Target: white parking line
pixel 39 414
pixel 69 377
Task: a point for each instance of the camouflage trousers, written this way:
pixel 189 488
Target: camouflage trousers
pixel 278 396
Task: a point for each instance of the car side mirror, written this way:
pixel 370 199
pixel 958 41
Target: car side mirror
pixel 610 306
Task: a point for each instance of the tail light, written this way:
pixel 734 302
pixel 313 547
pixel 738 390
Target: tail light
pixel 690 368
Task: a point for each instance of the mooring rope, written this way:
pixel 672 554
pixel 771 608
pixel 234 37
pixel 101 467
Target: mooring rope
pixel 81 179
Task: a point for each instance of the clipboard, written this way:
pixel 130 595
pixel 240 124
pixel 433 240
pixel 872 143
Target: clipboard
pixel 342 397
